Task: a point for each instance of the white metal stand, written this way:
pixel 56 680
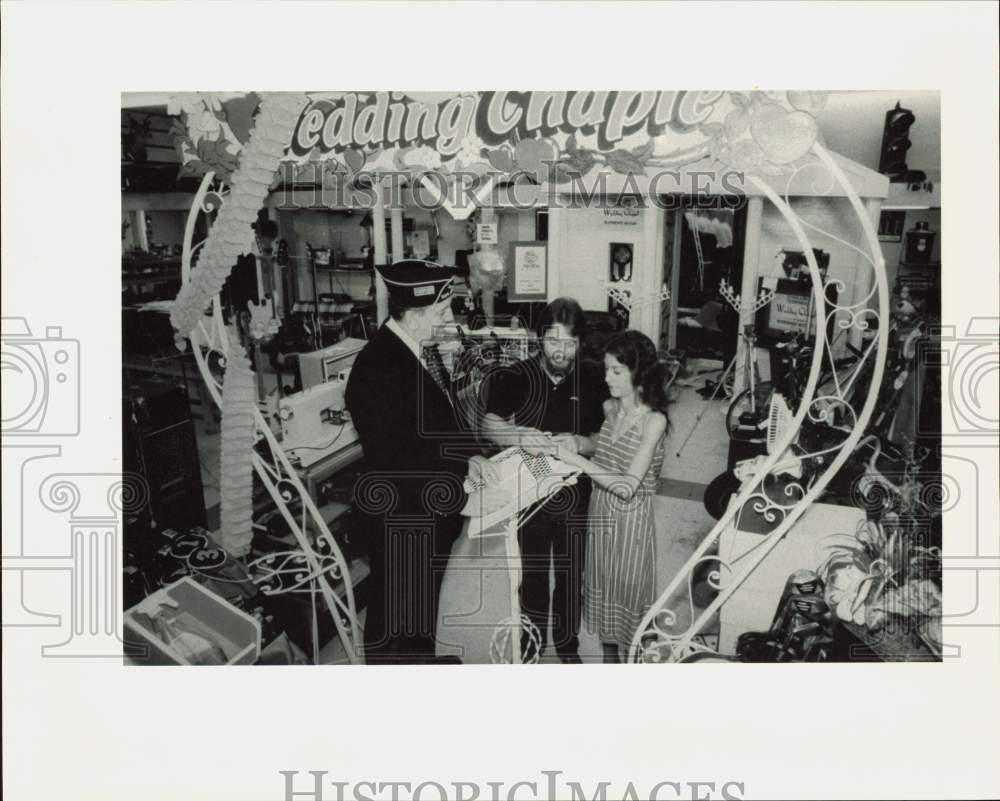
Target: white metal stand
pixel 286 572
pixel 513 627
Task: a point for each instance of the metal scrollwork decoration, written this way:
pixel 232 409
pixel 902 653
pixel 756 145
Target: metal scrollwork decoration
pixel 290 571
pixel 793 474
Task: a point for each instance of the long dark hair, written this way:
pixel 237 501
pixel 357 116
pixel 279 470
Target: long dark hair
pixel 649 375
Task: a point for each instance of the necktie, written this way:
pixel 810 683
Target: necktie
pixel 435 366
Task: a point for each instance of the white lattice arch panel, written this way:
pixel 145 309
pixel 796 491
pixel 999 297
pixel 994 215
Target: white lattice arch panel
pixel 659 637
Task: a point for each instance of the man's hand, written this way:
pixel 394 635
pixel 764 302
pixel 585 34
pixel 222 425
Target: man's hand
pixel 538 444
pixel 566 446
pixel 573 459
pixel 481 468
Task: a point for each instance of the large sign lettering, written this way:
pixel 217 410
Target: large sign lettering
pixel 547 137
pixel 393 120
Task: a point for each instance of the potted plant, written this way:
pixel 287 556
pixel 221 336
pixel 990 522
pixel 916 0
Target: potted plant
pixel 884 586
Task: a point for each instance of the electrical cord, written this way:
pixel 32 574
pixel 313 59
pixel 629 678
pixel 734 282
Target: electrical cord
pixel 321 447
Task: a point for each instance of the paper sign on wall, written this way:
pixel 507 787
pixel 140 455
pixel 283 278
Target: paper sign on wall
pixel 790 313
pixel 623 216
pixel 486 233
pixel 420 244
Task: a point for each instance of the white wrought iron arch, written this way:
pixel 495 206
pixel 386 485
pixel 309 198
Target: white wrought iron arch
pixel 655 639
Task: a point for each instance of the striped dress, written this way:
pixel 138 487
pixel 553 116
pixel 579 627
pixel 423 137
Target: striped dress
pixel 620 584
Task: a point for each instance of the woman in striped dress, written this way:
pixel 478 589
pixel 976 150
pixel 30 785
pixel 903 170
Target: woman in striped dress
pixel 619 583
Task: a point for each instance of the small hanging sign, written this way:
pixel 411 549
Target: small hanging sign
pixel 486 234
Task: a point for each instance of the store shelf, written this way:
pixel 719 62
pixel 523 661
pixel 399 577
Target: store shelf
pixel 150 260
pixel 150 279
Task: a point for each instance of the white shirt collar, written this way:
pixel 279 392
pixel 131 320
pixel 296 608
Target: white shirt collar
pixel 399 331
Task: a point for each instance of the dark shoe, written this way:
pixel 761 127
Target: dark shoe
pixel 570 659
pixel 446 660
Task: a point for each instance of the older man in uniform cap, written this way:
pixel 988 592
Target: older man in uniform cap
pixel 416 457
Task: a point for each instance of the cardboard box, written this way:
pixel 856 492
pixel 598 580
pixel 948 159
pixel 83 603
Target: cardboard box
pixel 192 608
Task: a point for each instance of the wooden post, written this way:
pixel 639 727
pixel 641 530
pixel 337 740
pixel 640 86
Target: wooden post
pixel 648 274
pixel 748 288
pixel 554 285
pixel 396 220
pixel 139 226
pixel 675 278
pixel 378 239
pixel 488 216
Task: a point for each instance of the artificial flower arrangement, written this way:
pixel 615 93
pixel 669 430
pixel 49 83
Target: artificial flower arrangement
pixel 885 584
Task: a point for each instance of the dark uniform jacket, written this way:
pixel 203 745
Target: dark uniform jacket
pixel 408 495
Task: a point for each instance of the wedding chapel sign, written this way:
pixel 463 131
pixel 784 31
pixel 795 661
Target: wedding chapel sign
pixel 459 145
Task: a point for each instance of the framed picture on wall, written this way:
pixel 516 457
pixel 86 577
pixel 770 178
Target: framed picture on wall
pixel 620 262
pixel 890 226
pixel 527 272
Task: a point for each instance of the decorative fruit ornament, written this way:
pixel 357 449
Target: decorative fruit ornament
pixel 784 136
pixel 810 102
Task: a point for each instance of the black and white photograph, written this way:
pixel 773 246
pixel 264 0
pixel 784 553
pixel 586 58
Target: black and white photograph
pixel 316 463
pixel 371 425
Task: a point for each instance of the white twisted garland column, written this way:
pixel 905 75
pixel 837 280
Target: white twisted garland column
pixel 210 340
pixel 230 237
pixel 236 452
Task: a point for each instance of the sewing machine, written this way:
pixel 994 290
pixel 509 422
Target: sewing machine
pixel 314 423
pixel 327 363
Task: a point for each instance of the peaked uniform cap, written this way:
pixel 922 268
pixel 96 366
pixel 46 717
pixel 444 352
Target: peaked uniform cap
pixel 413 283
